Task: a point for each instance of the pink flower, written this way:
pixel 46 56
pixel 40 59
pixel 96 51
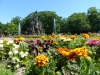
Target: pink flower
pixel 93 42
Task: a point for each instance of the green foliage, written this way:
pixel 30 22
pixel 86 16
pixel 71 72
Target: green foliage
pixel 4 70
pixel 48 69
pixel 94 20
pixel 18 58
pixel 77 22
pixel 6 49
pixel 11 28
pixel 16 20
pixel 74 43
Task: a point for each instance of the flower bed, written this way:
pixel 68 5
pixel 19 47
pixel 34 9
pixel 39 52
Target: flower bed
pixel 52 55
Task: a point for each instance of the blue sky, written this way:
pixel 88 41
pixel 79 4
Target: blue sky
pixel 64 8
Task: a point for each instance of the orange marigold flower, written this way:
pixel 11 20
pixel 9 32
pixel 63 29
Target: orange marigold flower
pixel 73 37
pixel 63 51
pixel 72 55
pixel 85 35
pixel 81 51
pixel 41 60
pixel 99 38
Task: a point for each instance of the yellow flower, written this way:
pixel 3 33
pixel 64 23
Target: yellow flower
pixel 21 39
pixel 62 37
pixel 82 51
pixel 73 37
pixel 56 43
pixel 41 60
pixel 50 37
pixel 5 41
pixel 16 39
pixel 71 54
pixel 63 51
pixel 55 36
pixel 43 37
pixel 85 35
pixel 40 48
pixel 98 38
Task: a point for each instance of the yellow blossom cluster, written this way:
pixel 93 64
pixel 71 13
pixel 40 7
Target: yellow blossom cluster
pixel 85 35
pixel 50 37
pixel 63 37
pixel 41 60
pixel 5 41
pixel 71 54
pixel 19 39
pixel 43 37
pixel 73 37
pixel 56 43
pixel 55 36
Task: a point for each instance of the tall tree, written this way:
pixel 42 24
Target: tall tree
pixel 47 18
pixel 16 20
pixel 94 19
pixel 11 28
pixel 77 23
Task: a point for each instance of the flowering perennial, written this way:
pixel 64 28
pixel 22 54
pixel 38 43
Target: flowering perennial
pixel 41 60
pixel 73 37
pixel 71 54
pixel 93 42
pixel 85 35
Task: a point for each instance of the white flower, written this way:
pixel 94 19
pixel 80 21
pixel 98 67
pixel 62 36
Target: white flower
pixel 1 41
pixel 15 59
pixel 62 38
pixel 15 51
pixel 10 41
pixel 10 52
pixel 26 53
pixel 17 66
pixel 15 47
pixel 9 66
pixel 67 39
pixel 1 46
pixel 22 54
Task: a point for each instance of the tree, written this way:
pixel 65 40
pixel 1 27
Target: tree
pixel 11 28
pixel 47 18
pixel 77 23
pixel 94 19
pixel 16 20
